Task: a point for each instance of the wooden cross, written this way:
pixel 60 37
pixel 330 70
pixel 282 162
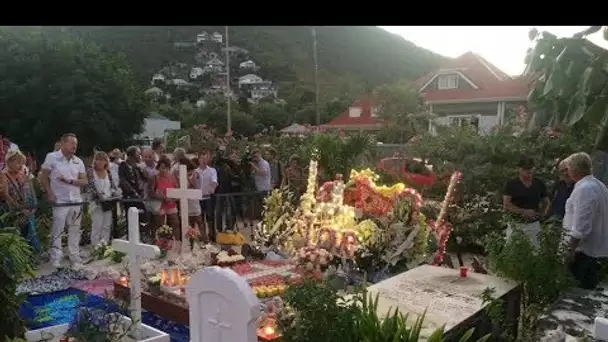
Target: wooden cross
pixel 135 250
pixel 184 194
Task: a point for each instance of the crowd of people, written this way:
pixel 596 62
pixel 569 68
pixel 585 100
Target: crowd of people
pixel 139 178
pixel 578 198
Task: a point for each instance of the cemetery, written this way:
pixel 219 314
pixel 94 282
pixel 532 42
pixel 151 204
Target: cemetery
pixel 240 292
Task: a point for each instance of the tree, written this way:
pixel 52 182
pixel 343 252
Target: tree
pixel 403 111
pixel 270 114
pixel 54 84
pixel 572 81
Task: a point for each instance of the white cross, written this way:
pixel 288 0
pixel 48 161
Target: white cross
pixel 219 326
pixel 135 250
pixel 184 194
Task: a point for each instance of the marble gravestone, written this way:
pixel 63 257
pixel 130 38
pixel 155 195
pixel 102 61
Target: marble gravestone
pixel 223 308
pixel 449 300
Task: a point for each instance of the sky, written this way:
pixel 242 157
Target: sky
pixel 503 46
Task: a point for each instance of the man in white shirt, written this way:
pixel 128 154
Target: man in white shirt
pixel 207 176
pixel 261 172
pixel 62 176
pixel 587 221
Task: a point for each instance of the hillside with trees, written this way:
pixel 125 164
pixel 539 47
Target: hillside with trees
pixel 367 55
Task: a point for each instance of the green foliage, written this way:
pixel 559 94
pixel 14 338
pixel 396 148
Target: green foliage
pixel 336 155
pixel 322 315
pixel 15 264
pixel 348 56
pixel 572 82
pixel 487 161
pixel 53 83
pixel 540 271
pixel 403 109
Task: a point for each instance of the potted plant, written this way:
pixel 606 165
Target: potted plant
pixel 154 284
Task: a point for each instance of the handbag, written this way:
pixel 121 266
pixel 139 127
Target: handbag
pixel 153 205
pixel 107 205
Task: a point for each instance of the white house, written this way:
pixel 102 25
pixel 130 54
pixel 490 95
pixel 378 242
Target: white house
pixel 247 65
pixel 158 78
pixel 200 103
pixel 154 91
pixel 196 72
pixel 201 37
pixel 249 79
pixel 263 90
pixel 214 65
pixel 156 126
pixel 217 37
pixel 178 82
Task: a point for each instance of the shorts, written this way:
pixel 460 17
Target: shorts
pixel 166 211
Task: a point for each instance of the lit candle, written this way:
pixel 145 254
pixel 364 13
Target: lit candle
pixel 268 331
pixel 123 281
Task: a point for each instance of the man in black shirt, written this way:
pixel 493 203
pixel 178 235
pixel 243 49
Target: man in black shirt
pixel 525 197
pixel 132 180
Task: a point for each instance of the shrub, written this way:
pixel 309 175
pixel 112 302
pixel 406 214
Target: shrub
pixel 486 162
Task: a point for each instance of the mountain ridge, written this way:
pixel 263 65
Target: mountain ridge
pixel 352 59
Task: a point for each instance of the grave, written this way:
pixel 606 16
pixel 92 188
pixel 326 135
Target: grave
pixel 449 300
pixel 138 331
pixel 575 311
pixel 184 194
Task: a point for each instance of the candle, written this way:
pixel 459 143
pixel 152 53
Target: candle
pixel 269 331
pixel 463 271
pixel 123 281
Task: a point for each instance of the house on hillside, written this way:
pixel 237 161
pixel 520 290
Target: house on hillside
pixel 264 89
pixel 360 115
pixel 154 92
pixel 469 90
pixel 249 79
pixel 236 52
pixel 196 72
pixel 158 78
pixel 217 37
pixel 249 64
pixel 202 37
pixel 156 126
pixel 214 65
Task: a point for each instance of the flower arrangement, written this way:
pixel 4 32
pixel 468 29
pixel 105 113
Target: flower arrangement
pixel 312 257
pixel 193 236
pixel 105 251
pixel 164 239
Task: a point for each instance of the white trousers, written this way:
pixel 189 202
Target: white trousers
pixel 101 225
pixel 531 230
pixel 62 217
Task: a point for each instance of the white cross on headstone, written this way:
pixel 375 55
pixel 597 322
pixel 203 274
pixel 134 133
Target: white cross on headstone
pixel 184 194
pixel 223 307
pixel 219 326
pixel 134 250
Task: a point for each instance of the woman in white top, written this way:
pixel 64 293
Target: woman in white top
pixel 101 187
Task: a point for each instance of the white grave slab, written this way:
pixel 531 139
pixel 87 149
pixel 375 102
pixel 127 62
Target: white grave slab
pixel 223 308
pixel 135 250
pixel 447 298
pixel 184 194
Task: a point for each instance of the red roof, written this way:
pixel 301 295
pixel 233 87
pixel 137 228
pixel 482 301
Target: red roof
pixel 365 120
pixel 491 82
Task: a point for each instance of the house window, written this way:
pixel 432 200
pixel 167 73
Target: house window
pixel 447 82
pixel 354 112
pixel 464 121
pixel 375 112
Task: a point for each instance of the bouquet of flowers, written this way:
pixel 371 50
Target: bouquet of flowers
pixel 313 257
pixel 193 236
pixel 164 239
